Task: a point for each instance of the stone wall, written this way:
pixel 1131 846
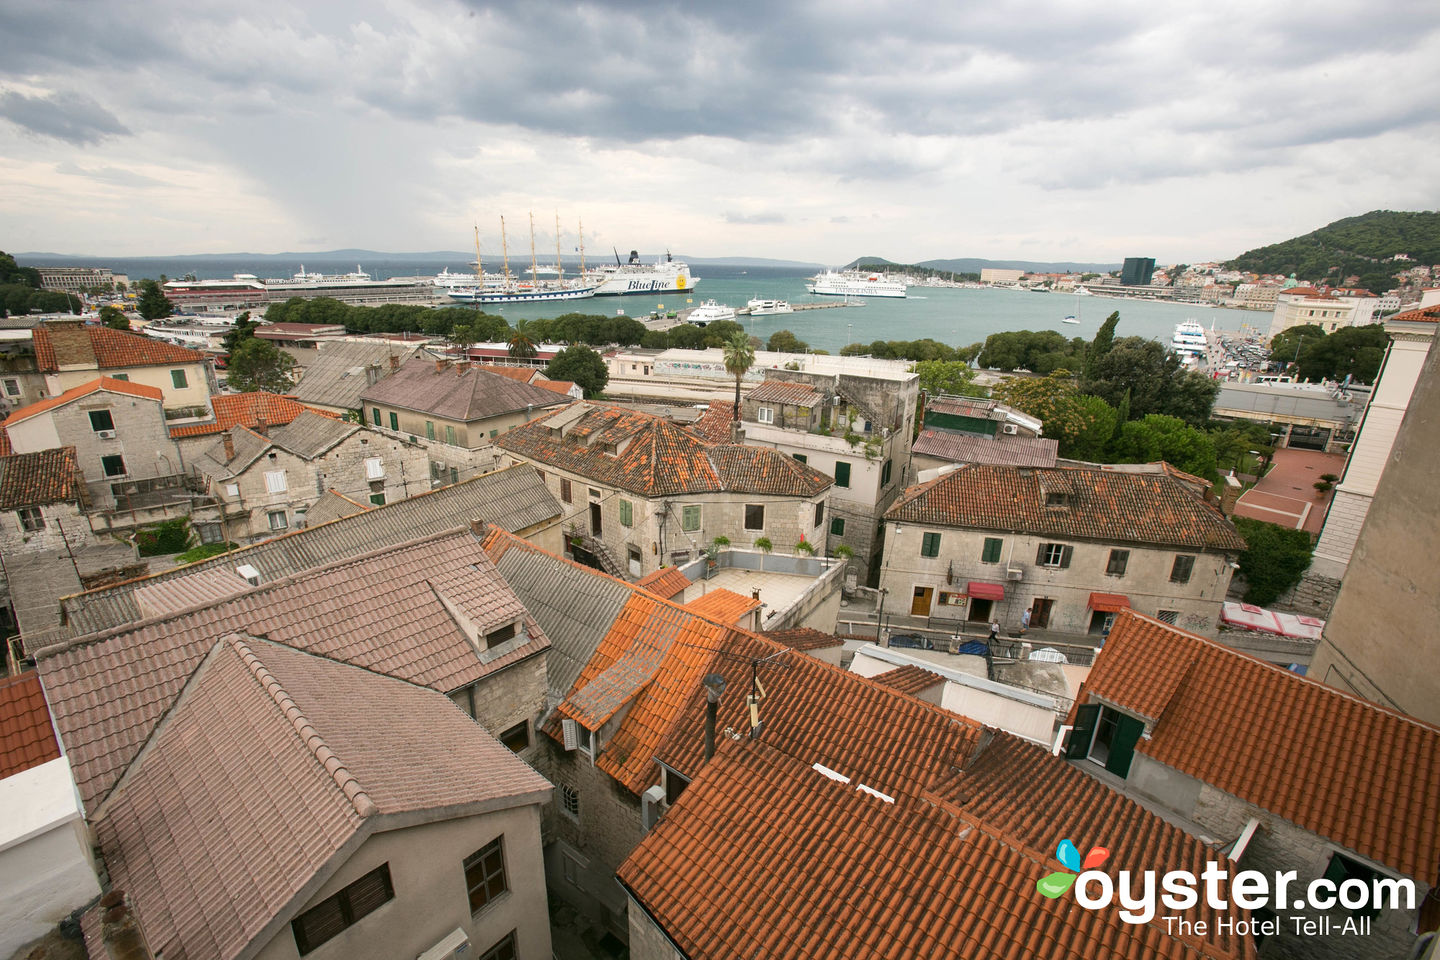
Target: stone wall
pixel 512 696
pixel 647 941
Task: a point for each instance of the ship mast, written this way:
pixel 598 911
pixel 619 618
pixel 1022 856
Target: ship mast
pixel 479 268
pixel 559 267
pixel 534 270
pixel 581 221
pixel 505 253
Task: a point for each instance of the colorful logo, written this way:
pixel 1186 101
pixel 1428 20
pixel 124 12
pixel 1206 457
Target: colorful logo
pixel 1055 884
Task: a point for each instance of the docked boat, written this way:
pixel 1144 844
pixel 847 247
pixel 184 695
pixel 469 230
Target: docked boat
pixel 862 283
pixel 666 275
pixel 768 308
pixel 510 290
pixel 709 312
pixel 1189 340
pixel 1070 319
pixel 246 291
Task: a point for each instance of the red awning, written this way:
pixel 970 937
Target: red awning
pixel 985 591
pixel 1109 602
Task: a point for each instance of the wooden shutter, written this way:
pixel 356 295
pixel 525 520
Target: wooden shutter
pixel 572 737
pixel 1040 555
pixel 1065 556
pixel 1080 737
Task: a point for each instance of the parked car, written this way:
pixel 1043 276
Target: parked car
pixel 911 641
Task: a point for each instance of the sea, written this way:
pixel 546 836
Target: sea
pixel 955 316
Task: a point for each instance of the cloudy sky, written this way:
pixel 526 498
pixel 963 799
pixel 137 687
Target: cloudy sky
pixel 1052 129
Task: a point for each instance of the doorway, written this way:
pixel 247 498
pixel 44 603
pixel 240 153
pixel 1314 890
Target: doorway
pixel 594 519
pixel 920 602
pixel 980 610
pixel 1100 623
pixel 634 556
pixel 1040 613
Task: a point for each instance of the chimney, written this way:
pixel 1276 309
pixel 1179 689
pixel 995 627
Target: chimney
pixel 461 366
pixel 394 362
pixel 479 527
pixel 261 427
pixel 120 930
pixel 229 447
pixel 714 686
pixel 372 373
pixel 440 365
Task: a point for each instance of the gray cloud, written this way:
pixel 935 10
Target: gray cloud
pixel 72 117
pixel 754 218
pixel 111 175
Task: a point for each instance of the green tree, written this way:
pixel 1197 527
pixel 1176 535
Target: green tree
pixel 243 329
pixel 1356 352
pixel 1274 560
pixel 948 376
pixel 783 341
pixel 1104 339
pixel 1095 425
pixel 739 357
pixel 114 318
pixel 1157 437
pixel 687 336
pixel 154 305
pixel 1156 380
pixel 1077 422
pixel 260 365
pixel 522 347
pixel 721 332
pixel 1286 345
pixel 12 273
pixel 584 366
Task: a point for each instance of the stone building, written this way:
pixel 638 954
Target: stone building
pixel 1072 546
pixel 69 354
pixel 456 410
pixel 641 492
pixel 341 371
pixel 1287 773
pixel 276 475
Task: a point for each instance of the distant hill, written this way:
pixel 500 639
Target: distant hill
pixel 975 265
pixel 372 256
pixel 1362 245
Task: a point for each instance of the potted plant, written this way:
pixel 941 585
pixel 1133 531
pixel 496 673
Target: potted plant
pixel 805 547
pixel 712 555
pixel 764 545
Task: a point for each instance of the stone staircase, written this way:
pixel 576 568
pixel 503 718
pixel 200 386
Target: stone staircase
pixel 606 558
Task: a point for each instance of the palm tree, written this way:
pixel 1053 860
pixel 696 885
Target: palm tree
pixel 521 346
pixel 739 357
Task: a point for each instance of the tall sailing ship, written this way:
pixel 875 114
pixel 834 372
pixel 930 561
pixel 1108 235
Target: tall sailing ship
pixel 514 290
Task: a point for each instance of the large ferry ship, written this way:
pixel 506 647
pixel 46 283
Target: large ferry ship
pixel 856 283
pixel 246 291
pixel 666 275
pixel 1189 341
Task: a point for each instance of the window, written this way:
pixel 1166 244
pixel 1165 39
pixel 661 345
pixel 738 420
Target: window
pixel 1119 560
pixel 232 489
pixel 627 513
pixel 31 519
pixel 1057 500
pixel 1184 565
pixel 12 388
pixel 570 801
pixel 374 468
pixel 801 457
pixel 766 415
pixel 565 493
pixel 101 420
pixel 177 379
pixel 885 473
pixel 586 739
pixel 930 545
pixel 429 429
pixel 819 514
pixel 1167 616
pixel 837 526
pixel 375 415
pixel 120 376
pixel 1342 868
pixel 344 909
pixel 275 481
pixel 842 473
pixel 990 553
pixel 454 474
pixel 690 518
pixel 517 738
pixel 378 499
pixel 113 465
pixel 278 520
pixel 394 420
pixel 1054 555
pixel 449 434
pixel 485 874
pixel 504 950
pixel 754 516
pixel 499 635
pixel 494 434
pixel 209 532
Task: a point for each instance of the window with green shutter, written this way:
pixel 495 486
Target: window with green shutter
pixel 991 551
pixel 801 457
pixel 842 473
pixel 375 415
pixel 627 513
pixel 449 434
pixel 885 473
pixel 394 420
pixel 837 526
pixel 177 377
pixel 690 518
pixel 930 545
pixel 429 430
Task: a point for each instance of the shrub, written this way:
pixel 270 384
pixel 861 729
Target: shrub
pixel 169 536
pixel 205 552
pixel 1275 560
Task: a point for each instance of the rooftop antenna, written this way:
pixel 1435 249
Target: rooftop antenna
pixel 581 221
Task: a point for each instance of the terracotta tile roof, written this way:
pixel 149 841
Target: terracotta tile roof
pixel 522 374
pixel 1321 758
pixel 714 424
pixel 474 393
pixel 1001 450
pixel 271 769
pixel 723 605
pixel 84 390
pixel 653 457
pixel 73 345
pixel 804 639
pixel 6 447
pixel 27 738
pixel 667 582
pixel 911 679
pixel 555 386
pixel 1104 505
pixel 783 391
pixel 35 479
pixel 1428 314
pixel 246 410
pixel 382 611
pixel 947 875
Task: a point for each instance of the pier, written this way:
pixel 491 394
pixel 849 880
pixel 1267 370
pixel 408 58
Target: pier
pixel 797 307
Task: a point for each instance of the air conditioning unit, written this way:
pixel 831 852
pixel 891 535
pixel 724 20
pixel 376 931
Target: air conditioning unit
pixel 1010 429
pixel 1015 573
pixel 652 805
pixel 456 944
pixel 105 434
pixel 251 575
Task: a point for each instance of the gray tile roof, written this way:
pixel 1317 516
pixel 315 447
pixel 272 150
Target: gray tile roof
pixel 337 376
pixel 333 505
pixel 964 448
pixel 393 611
pixel 311 434
pixel 455 394
pixel 514 498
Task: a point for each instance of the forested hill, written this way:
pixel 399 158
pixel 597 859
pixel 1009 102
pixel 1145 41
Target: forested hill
pixel 1356 245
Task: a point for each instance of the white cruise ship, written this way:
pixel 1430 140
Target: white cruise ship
pixel 856 283
pixel 1189 341
pixel 768 308
pixel 667 275
pixel 709 312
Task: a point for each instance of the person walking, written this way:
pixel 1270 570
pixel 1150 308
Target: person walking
pixel 994 630
pixel 1025 621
